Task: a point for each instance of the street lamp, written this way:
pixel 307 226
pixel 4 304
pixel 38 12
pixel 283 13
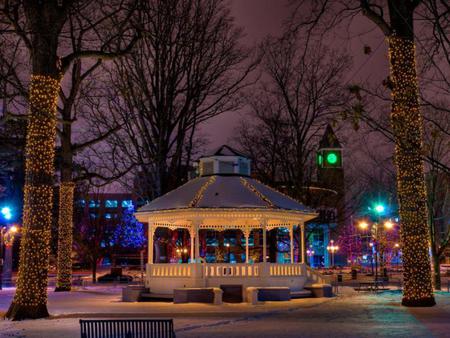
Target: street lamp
pixel 379 208
pixel 6 213
pixel 363 225
pixel 388 225
pixel 310 253
pixel 228 251
pixel 375 229
pixel 332 248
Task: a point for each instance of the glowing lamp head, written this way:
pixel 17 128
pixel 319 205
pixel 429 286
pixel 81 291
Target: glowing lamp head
pixel 388 225
pixel 13 229
pixel 379 208
pixel 6 213
pixel 397 245
pixel 363 225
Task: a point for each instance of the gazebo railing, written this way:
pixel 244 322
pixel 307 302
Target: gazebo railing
pixel 231 270
pixel 285 269
pixel 211 270
pixel 171 270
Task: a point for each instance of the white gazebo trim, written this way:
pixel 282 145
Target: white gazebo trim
pixel 220 219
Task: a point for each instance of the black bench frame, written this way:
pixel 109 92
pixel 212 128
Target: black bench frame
pixel 127 328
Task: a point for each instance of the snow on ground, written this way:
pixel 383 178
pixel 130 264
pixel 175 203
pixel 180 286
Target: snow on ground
pixel 348 315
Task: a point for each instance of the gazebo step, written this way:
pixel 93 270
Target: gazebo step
pixel 148 296
pixel 301 294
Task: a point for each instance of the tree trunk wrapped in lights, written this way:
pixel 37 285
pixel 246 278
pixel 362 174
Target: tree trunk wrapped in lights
pixel 407 125
pixel 65 238
pixel 30 300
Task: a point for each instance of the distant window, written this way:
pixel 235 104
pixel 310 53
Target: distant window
pixel 81 203
pixel 127 204
pixel 111 203
pixel 207 168
pixel 108 216
pixel 226 167
pixel 94 204
pixel 93 216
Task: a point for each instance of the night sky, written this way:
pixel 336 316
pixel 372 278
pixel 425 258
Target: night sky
pixel 260 18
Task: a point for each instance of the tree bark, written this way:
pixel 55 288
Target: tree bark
pixel 436 271
pixel 45 21
pixel 407 125
pixel 65 236
pixel 30 300
pixel 65 219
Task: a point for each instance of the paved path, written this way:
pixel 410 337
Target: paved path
pixel 349 315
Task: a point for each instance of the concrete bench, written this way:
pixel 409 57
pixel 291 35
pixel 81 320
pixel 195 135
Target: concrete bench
pixel 132 293
pixel 320 290
pixel 301 294
pixel 198 295
pixel 263 294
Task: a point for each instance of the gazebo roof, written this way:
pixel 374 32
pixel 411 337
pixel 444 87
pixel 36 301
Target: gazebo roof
pixel 227 192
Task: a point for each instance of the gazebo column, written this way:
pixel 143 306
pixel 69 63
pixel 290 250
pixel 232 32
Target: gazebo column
pixel 247 236
pixel 302 232
pixel 191 238
pixel 197 240
pixel 291 237
pixel 151 234
pixel 264 226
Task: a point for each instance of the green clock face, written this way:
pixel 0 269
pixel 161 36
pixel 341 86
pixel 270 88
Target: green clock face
pixel 332 158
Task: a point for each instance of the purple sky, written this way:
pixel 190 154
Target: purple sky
pixel 260 18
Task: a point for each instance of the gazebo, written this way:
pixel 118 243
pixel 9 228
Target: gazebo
pixel 224 197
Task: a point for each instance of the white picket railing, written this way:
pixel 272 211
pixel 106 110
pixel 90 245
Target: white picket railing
pixel 231 270
pixel 170 270
pixel 285 269
pixel 212 270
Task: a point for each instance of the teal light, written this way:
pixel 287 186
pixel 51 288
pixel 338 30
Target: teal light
pixel 379 208
pixel 332 158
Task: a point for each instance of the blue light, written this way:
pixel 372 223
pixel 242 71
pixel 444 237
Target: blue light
pixel 7 213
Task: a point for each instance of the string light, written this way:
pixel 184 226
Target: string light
pixel 249 186
pixel 30 299
pixel 65 221
pixel 407 125
pixel 199 195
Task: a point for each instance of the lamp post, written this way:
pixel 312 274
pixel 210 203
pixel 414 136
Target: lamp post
pixel 228 251
pixel 310 253
pixel 375 230
pixel 332 248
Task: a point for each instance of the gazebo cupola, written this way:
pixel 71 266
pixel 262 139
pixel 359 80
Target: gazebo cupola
pixel 224 161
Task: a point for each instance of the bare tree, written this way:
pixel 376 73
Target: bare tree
pixel 301 92
pixel 41 26
pixel 395 19
pixel 188 68
pixel 437 144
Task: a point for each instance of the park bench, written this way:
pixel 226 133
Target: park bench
pixel 127 328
